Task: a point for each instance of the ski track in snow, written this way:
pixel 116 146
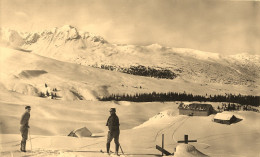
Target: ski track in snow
pixel 58 153
pixel 170 126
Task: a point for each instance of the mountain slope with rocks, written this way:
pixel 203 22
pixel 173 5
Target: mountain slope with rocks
pixel 69 44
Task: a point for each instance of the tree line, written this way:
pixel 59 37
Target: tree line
pixel 235 107
pixel 142 71
pixel 52 95
pixel 174 96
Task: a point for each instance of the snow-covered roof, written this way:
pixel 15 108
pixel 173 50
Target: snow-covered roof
pixel 223 116
pixel 196 106
pixel 81 132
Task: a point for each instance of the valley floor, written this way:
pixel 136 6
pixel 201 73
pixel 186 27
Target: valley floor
pixel 142 126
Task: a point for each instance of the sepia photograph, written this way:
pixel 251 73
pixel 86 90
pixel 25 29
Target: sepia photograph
pixel 129 78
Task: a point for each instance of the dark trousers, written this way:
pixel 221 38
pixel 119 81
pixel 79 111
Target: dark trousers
pixel 24 133
pixel 113 135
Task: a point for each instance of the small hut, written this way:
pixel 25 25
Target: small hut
pixel 82 132
pixel 225 118
pixel 195 109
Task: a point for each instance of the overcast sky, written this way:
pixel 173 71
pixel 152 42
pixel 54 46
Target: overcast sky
pixel 225 27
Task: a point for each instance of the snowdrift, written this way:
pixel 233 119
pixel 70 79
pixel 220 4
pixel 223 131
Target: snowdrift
pixel 187 150
pixel 162 117
pixel 31 73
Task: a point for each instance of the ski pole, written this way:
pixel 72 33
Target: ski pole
pixel 30 138
pixel 121 149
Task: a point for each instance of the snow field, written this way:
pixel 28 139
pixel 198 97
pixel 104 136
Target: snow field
pixel 23 76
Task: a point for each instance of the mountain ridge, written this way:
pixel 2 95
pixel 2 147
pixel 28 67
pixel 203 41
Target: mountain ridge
pixel 68 44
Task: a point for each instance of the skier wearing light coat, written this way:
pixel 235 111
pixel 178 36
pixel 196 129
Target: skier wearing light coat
pixel 113 126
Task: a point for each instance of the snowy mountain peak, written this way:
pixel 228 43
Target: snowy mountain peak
pixel 11 36
pixel 155 46
pixel 203 55
pixel 67 27
pixel 65 32
pixel 85 48
pixel 68 32
pixel 55 36
pixel 245 56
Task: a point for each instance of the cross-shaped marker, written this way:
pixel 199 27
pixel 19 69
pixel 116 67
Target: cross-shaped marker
pixel 186 141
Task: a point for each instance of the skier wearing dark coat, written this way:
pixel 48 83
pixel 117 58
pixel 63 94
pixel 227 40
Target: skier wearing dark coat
pixel 113 126
pixel 24 127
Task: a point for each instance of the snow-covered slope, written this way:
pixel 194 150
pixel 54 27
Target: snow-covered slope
pixel 27 73
pixel 52 120
pixel 35 62
pixel 71 45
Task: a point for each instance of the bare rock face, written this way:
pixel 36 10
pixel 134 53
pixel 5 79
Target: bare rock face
pixel 32 38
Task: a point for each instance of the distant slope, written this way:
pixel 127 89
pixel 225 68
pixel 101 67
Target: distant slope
pixel 27 73
pixel 70 45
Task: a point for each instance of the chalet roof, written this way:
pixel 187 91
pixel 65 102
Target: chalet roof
pixel 223 116
pixel 196 106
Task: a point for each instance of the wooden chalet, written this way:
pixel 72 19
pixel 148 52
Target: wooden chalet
pixel 195 109
pixel 225 118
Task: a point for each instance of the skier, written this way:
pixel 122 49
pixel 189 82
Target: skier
pixel 113 126
pixel 24 127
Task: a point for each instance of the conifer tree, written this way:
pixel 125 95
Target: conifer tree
pixel 47 93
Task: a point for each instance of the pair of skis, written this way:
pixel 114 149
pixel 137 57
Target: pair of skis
pixel 112 152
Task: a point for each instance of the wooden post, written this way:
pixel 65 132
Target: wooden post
pixel 163 150
pixel 186 139
pixel 162 142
